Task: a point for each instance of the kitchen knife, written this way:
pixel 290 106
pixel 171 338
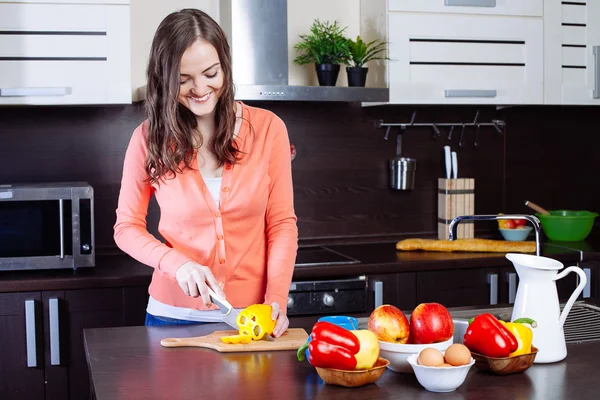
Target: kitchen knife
pixel 448 161
pixel 230 314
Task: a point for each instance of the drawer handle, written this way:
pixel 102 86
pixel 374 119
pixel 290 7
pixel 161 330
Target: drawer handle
pixel 30 333
pixel 587 293
pixel 512 287
pixel 596 50
pixel 493 281
pixel 54 332
pixel 35 91
pixel 378 291
pixel 471 3
pixel 470 93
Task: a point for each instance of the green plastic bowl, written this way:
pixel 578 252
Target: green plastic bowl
pixel 567 225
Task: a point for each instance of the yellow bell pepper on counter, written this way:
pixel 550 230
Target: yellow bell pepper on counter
pixel 522 333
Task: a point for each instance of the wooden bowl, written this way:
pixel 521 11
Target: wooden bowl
pixel 505 365
pixel 353 378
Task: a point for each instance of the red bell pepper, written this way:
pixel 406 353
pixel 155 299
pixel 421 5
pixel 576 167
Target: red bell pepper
pixel 487 336
pixel 331 346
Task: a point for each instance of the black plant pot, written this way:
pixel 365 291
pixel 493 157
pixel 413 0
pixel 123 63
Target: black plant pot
pixel 357 76
pixel 327 74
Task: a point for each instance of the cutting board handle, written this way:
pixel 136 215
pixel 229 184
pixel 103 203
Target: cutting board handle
pixel 174 342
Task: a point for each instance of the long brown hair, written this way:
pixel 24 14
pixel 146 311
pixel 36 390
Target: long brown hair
pixel 172 125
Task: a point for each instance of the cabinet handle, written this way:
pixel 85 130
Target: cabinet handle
pixel 587 292
pixel 30 333
pixel 54 332
pixel 596 93
pixel 512 287
pixel 470 93
pixel 493 281
pixel 61 226
pixel 378 290
pixel 35 91
pixel 471 3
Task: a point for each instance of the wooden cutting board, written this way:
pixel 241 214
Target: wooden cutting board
pixel 293 339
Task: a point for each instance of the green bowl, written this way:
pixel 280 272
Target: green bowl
pixel 567 225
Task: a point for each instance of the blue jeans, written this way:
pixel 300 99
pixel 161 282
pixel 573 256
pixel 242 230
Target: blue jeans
pixel 154 320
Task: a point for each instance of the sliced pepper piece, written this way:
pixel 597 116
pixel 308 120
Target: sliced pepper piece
pixel 523 334
pixel 486 335
pixel 236 339
pixel 331 346
pixel 255 321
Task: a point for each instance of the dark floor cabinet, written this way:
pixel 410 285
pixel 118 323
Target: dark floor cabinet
pixel 41 338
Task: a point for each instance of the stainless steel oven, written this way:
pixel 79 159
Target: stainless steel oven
pixel 326 296
pixel 46 226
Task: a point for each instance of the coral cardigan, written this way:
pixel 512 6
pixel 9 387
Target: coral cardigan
pixel 249 242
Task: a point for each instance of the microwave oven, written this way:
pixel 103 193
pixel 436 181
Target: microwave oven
pixel 46 226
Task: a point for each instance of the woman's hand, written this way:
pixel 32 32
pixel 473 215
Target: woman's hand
pixel 277 314
pixel 194 280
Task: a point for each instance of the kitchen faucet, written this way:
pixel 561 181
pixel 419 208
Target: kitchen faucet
pixel 531 218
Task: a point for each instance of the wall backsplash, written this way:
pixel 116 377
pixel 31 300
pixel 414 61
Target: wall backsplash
pixel 341 168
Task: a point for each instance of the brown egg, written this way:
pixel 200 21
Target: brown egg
pixel 446 365
pixel 430 357
pixel 457 354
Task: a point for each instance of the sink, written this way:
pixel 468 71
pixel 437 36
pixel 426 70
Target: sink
pixel 582 324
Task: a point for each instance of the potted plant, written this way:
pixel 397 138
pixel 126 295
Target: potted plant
pixel 326 47
pixel 360 54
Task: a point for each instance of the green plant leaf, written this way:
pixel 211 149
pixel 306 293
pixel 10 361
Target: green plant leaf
pixel 325 44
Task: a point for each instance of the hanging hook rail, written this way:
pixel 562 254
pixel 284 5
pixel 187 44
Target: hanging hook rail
pixel 499 125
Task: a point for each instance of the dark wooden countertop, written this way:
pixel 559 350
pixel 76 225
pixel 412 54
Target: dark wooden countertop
pixel 129 363
pixel 375 258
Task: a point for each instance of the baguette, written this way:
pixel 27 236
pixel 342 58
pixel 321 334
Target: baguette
pixel 472 245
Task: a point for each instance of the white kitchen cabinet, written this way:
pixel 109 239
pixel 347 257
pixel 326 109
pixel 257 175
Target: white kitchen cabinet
pixel 64 52
pixel 464 59
pixel 491 7
pixel 572 52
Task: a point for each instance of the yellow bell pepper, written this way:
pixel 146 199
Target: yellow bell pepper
pixel 236 339
pixel 523 334
pixel 255 321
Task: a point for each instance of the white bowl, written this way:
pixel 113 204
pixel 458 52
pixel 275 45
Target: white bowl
pixel 398 354
pixel 440 379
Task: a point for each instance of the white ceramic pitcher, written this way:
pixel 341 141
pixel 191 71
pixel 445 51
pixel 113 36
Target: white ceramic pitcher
pixel 537 298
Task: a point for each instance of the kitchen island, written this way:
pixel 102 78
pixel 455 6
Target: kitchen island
pixel 129 363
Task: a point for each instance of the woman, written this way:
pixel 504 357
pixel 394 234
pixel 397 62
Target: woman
pixel 221 173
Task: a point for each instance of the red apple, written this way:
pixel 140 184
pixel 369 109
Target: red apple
pixel 520 222
pixel 389 324
pixel 430 323
pixel 510 224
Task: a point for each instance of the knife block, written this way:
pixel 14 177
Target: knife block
pixel 456 197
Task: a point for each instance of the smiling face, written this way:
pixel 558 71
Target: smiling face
pixel 201 78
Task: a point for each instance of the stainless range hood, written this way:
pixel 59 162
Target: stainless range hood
pixel 257 32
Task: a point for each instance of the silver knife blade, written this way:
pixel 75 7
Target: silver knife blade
pixel 229 313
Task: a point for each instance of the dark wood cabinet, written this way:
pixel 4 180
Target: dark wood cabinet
pixel 398 289
pixel 53 343
pixel 461 287
pixel 21 346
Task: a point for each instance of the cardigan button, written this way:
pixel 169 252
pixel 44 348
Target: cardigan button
pixel 221 261
pixel 226 189
pixel 220 237
pixel 217 214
